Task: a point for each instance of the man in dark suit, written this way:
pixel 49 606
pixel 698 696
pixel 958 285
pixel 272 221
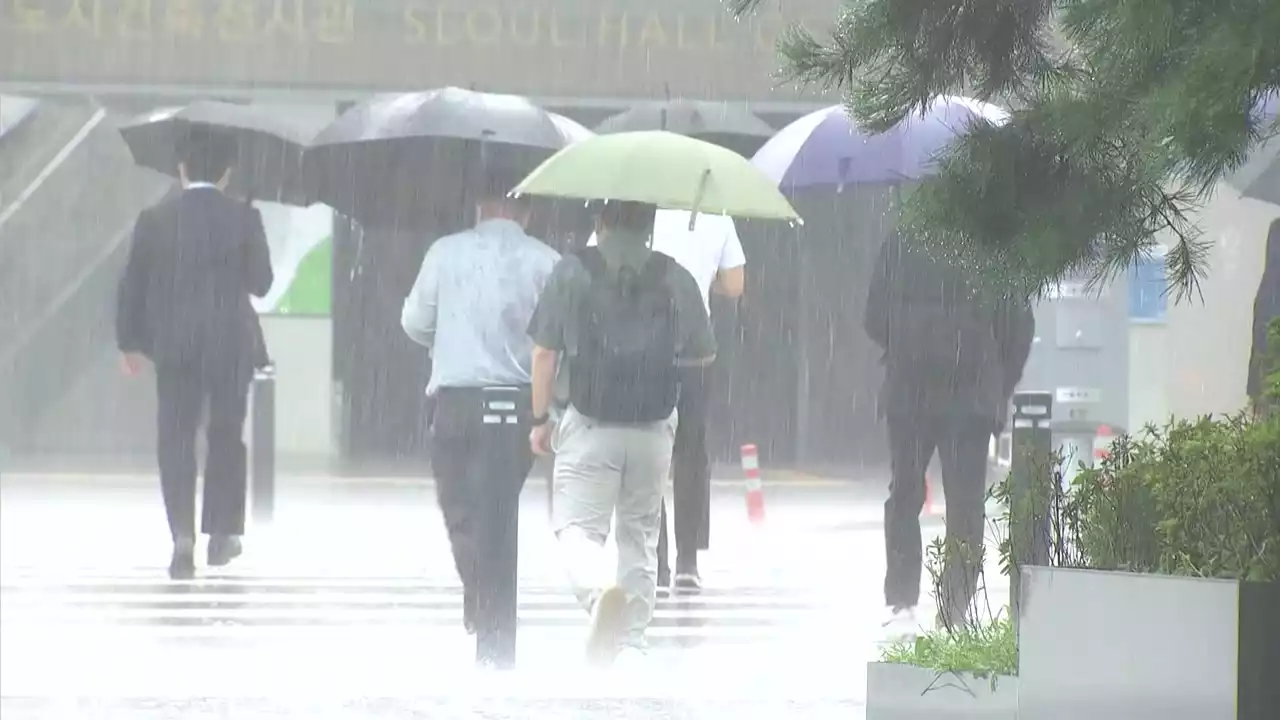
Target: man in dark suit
pixel 184 305
pixel 1266 307
pixel 953 354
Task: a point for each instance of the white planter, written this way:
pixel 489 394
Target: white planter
pixel 907 692
pixel 1125 646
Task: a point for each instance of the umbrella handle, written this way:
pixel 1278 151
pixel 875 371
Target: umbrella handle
pixel 667 89
pixel 697 199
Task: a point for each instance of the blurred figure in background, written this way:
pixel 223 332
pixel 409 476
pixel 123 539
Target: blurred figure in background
pixel 712 253
pixel 1266 307
pixel 184 304
pixel 952 356
pixel 471 306
pixel 626 319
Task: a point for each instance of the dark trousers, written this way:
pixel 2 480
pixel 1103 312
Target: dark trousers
pixel 182 394
pixel 481 460
pixel 691 474
pixel 962 445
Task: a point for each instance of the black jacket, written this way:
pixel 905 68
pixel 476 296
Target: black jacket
pixel 1266 307
pixel 184 298
pixel 949 351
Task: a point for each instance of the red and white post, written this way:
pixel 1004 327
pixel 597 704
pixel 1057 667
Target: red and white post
pixel 1102 440
pixel 755 489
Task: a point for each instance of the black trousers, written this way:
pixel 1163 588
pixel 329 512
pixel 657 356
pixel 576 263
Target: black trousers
pixel 691 473
pixel 182 394
pixel 481 460
pixel 962 444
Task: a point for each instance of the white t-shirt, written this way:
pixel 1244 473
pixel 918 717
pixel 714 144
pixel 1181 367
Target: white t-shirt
pixel 711 247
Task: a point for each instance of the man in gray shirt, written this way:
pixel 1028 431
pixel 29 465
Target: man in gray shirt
pixel 624 319
pixel 471 306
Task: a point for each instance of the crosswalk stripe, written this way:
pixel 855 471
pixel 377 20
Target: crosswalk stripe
pixel 156 576
pixel 136 603
pixel 389 634
pixel 532 601
pixel 246 611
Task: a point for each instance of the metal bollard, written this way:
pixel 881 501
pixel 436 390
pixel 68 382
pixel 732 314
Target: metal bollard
pixel 263 444
pixel 1031 473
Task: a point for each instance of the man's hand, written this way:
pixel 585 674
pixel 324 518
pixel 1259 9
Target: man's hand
pixel 540 439
pixel 132 363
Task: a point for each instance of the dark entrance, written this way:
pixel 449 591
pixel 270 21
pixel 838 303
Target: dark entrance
pixel 796 373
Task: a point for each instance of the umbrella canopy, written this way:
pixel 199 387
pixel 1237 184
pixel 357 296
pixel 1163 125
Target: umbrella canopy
pixel 572 130
pixel 826 149
pixel 401 153
pixel 669 170
pixel 702 119
pixel 1260 177
pixel 271 145
pixel 445 113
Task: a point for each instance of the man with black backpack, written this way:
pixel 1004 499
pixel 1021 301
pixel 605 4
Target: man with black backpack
pixel 626 319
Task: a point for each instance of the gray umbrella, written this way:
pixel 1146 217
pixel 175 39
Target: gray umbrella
pixel 397 153
pixel 721 123
pixel 271 145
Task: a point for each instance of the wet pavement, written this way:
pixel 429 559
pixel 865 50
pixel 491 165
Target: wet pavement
pixel 346 607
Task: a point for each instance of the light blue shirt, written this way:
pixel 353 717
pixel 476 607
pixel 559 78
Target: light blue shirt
pixel 472 303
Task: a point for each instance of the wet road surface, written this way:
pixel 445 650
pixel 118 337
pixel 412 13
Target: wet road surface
pixel 346 607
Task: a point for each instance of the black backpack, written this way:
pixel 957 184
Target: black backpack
pixel 624 370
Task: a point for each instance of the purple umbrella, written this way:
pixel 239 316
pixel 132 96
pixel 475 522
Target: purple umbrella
pixel 826 148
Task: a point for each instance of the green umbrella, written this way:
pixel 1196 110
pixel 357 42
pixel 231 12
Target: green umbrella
pixel 665 169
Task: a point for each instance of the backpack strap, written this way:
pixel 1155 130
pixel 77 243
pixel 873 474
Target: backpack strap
pixel 593 260
pixel 654 272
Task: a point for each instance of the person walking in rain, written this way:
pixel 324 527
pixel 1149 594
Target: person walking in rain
pixel 952 359
pixel 183 303
pixel 471 306
pixel 625 319
pixel 712 253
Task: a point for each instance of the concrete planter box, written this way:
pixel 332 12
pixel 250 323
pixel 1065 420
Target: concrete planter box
pixel 1125 646
pixel 907 692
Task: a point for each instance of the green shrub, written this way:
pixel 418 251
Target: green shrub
pixel 1195 498
pixel 1115 509
pixel 984 642
pixel 1271 371
pixel 984 650
pixel 1198 498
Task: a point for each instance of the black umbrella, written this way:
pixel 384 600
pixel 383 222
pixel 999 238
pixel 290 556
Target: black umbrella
pixel 270 145
pixel 413 153
pixel 727 125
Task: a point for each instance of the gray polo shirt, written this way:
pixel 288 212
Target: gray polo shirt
pixel 554 323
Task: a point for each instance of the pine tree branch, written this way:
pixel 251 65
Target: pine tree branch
pixel 1115 102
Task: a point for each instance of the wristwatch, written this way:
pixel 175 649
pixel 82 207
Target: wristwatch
pixel 540 420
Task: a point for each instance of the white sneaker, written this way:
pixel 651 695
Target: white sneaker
pixel 630 657
pixel 608 623
pixel 901 624
pixel 686 584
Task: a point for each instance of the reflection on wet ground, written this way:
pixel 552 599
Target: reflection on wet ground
pixel 368 624
pixel 434 708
